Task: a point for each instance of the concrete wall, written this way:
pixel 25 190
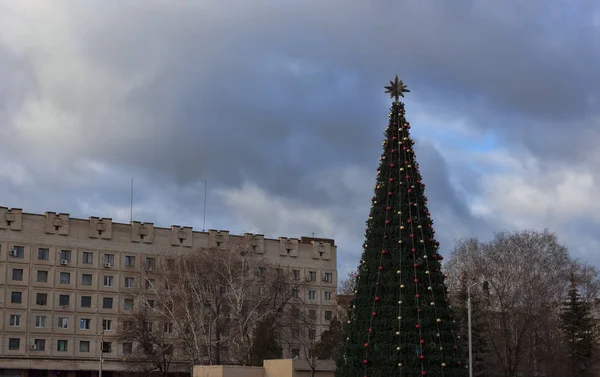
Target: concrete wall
pixel 271 368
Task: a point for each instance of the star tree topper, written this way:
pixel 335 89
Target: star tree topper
pixel 396 89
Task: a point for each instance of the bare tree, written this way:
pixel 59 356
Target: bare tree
pixel 527 274
pixel 347 285
pixel 153 351
pixel 213 299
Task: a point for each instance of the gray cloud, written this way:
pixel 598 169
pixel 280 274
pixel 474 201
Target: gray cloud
pixel 284 97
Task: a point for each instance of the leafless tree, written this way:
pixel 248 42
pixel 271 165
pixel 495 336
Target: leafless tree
pixel 213 299
pixel 346 287
pixel 154 350
pixel 527 274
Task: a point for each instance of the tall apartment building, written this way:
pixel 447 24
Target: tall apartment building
pixel 63 280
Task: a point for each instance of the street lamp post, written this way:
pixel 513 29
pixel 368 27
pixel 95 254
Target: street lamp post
pixel 101 350
pixel 469 325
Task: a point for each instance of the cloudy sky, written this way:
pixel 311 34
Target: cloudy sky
pixel 279 105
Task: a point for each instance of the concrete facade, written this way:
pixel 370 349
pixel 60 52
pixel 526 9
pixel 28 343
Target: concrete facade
pixel 270 368
pixel 62 280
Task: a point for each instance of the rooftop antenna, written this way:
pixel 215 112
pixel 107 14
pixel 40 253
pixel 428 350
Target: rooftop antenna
pixel 131 203
pixel 204 220
pixel 313 234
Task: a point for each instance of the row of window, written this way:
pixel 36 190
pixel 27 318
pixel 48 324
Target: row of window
pixel 41 322
pixel 62 345
pixel 87 257
pixel 65 278
pixel 16 297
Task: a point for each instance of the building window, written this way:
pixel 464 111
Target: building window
pixel 312 314
pixel 86 301
pixel 127 349
pixel 295 353
pixel 128 304
pixel 65 255
pixel 149 283
pixel 129 261
pixel 327 296
pixel 150 263
pixel 168 328
pixel 61 345
pixel 150 304
pixel 41 298
pixel 312 334
pixel 40 321
pixel 295 292
pixel 40 344
pixel 16 297
pixel 87 257
pixel 14 344
pixel 148 326
pixel 328 315
pixel 312 295
pixel 107 324
pixel 260 271
pixel 107 302
pixel 65 278
pixel 84 323
pixel 18 252
pixel 312 275
pixel 86 279
pixel 296 274
pixel 42 276
pixel 328 277
pixel 295 332
pixel 170 264
pixel 106 347
pixel 43 253
pixel 15 320
pixel 17 274
pixel 63 300
pixel 109 259
pixel 295 313
pixel 127 325
pixel 84 346
pixel 63 322
pixel 128 282
pixel 108 281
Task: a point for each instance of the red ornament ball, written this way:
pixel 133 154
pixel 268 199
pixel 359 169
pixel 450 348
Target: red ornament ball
pixel 390 193
pixel 394 137
pixel 391 179
pixel 421 357
pixel 417 326
pixel 374 314
pixel 380 268
pixel 388 208
pixel 365 361
pixel 458 362
pixel 423 373
pixel 383 251
pixel 376 298
pixel 370 329
pixel 388 221
pixel 422 341
pixel 392 165
pixel 366 344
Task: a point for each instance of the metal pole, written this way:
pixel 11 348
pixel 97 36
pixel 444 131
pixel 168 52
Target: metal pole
pixel 101 350
pixel 469 326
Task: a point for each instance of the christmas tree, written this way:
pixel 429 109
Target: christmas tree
pixel 401 323
pixel 579 331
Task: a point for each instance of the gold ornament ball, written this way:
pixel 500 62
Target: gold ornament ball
pixel 438 320
pixel 399 364
pixel 401 285
pixel 444 365
pixel 397 348
pixel 397 332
